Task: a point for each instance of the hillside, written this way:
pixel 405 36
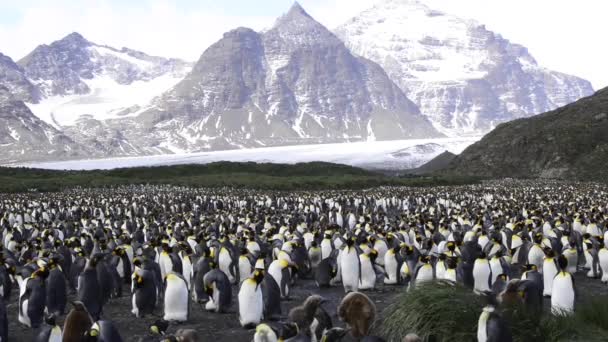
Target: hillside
pixel 263 176
pixel 569 142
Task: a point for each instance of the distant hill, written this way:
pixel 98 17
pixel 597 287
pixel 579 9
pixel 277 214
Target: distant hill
pixel 570 142
pixel 264 176
pixel 438 163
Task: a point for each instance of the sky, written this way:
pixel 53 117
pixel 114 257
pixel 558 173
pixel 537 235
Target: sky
pixel 563 35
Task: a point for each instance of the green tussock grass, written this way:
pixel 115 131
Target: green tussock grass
pixel 256 176
pixel 443 312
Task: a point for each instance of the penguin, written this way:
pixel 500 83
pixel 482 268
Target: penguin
pixel 304 315
pixel 334 335
pixel 89 289
pixel 56 289
pixel 358 312
pixel 498 265
pixel 32 300
pixel 275 332
pixel 425 272
pixel 536 253
pixel 156 331
pixel 325 271
pixel 251 301
pixel 201 267
pixel 392 265
pixel 550 270
pixel 102 331
pixel 500 283
pixel 263 333
pixel 315 254
pixel 50 332
pixel 143 298
pixel 571 255
pixel 350 266
pixel 440 266
pixel 218 288
pixel 227 263
pixel 76 323
pixel 321 323
pixel 451 272
pixel 279 270
pixel 3 321
pixel 176 298
pixel 603 261
pixel 491 327
pixel 531 274
pixel 164 260
pixel 563 294
pixel 482 274
pixel 367 263
pixel 271 294
pixel 245 265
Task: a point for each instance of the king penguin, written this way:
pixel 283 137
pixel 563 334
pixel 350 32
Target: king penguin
pixel 32 300
pixel 272 298
pixel 89 289
pixel 50 332
pixel 350 266
pixel 482 274
pixel 550 270
pixel 143 299
pixel 218 288
pixel 368 270
pixel 562 293
pixel 251 301
pixel 3 321
pixel 491 327
pixel 102 331
pixel 176 298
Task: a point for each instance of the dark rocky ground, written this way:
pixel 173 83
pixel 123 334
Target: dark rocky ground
pixel 226 327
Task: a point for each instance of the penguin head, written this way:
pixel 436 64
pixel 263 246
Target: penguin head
pixel 159 327
pixel 562 261
pixel 451 246
pixel 373 254
pixel 93 333
pixel 79 306
pixel 538 238
pixel 452 262
pixel 258 275
pixel 549 252
pixel 209 290
pixel 313 302
pixel 442 257
pixel 334 334
pixel 530 267
pixel 51 320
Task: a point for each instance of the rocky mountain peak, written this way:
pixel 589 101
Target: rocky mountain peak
pixel 464 77
pixel 74 39
pixel 299 28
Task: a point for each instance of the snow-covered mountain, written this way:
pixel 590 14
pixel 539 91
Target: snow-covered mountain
pixel 80 79
pixel 464 78
pixel 24 137
pixel 294 83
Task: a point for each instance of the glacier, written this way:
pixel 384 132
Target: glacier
pixel 371 155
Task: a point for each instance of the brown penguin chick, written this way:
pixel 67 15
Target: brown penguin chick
pixel 186 335
pixel 511 296
pixel 77 322
pixel 304 314
pixel 359 312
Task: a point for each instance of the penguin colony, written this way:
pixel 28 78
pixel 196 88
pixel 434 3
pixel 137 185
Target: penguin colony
pixel 67 256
